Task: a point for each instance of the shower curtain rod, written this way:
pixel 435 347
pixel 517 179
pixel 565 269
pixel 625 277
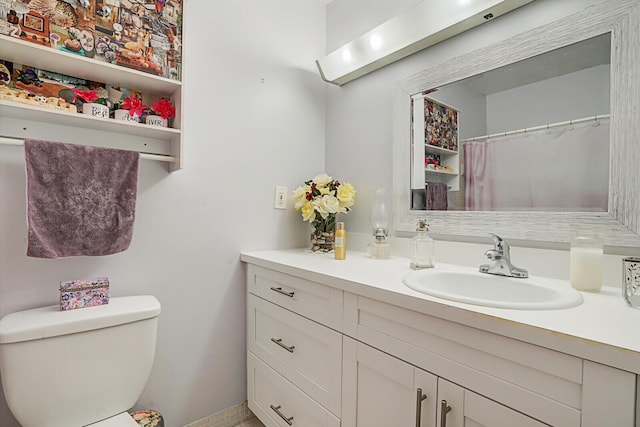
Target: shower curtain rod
pixel 147 156
pixel 536 128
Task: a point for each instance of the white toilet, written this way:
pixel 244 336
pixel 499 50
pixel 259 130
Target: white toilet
pixel 79 367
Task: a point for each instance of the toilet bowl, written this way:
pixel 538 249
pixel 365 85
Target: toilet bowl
pixel 83 367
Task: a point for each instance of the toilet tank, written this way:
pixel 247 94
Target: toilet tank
pixel 77 367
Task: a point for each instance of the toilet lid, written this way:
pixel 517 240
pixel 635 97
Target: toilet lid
pixel 120 420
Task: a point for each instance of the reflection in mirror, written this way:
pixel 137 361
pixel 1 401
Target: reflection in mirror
pixel 528 136
pixel 619 225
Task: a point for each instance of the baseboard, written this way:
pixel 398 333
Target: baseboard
pixel 226 418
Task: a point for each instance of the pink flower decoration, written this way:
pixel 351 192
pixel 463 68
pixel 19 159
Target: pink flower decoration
pixel 85 95
pixel 134 105
pixel 164 108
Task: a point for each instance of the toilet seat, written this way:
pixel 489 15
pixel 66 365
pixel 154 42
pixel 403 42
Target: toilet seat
pixel 120 420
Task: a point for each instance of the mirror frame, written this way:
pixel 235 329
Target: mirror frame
pixel 620 226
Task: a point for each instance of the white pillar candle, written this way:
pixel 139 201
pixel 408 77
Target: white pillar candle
pixel 586 267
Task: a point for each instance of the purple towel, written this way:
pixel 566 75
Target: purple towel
pixel 80 200
pixel 437 196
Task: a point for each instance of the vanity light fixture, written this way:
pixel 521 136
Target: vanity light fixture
pixel 423 25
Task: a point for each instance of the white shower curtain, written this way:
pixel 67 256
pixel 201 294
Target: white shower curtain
pixel 557 169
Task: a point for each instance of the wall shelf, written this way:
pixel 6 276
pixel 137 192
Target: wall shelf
pixel 47 58
pixel 26 121
pixel 430 171
pixel 435 149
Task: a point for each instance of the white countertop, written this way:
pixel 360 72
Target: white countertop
pixel 602 329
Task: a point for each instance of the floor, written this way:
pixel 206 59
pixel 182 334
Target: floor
pixel 253 422
pixel 236 416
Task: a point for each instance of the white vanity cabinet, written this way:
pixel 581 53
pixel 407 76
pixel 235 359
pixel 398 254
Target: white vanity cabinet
pixel 294 359
pixel 327 351
pixel 554 388
pixel 380 390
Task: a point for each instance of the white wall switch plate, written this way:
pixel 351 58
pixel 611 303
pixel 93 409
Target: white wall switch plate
pixel 281 198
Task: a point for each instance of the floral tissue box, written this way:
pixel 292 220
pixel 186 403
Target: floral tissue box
pixel 84 293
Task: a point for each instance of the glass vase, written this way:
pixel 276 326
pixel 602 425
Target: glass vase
pixel 322 241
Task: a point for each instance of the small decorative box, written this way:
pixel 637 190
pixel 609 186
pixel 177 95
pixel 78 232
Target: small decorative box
pixel 84 293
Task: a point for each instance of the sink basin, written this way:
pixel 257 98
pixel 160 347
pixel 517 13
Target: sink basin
pixel 533 293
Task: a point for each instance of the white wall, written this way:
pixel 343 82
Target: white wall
pixel 585 93
pixel 254 117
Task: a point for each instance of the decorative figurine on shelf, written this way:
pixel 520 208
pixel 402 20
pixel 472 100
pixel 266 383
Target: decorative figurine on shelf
pixel 29 77
pixel 93 105
pixel 163 109
pixel 130 110
pixel 431 161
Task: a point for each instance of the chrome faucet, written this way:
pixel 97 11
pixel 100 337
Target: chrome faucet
pixel 501 258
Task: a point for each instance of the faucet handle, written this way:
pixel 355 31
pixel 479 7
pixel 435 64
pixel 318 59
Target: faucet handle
pixel 493 254
pixel 500 245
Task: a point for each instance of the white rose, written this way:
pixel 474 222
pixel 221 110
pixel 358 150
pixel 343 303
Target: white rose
pixel 322 180
pixel 308 212
pixel 300 196
pixel 331 203
pixel 346 195
pixel 321 208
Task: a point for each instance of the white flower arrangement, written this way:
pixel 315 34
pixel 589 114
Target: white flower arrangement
pixel 321 198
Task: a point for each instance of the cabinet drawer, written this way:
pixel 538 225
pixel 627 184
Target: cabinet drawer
pixel 309 299
pixel 539 382
pixel 305 352
pixel 277 402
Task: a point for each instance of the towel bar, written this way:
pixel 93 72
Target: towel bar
pixel 146 156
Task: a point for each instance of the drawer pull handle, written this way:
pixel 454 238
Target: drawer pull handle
pixel 280 291
pixel 279 342
pixel 419 398
pixel 444 410
pixel 276 409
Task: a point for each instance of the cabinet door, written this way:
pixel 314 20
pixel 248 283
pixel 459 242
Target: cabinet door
pixel 460 407
pixel 382 391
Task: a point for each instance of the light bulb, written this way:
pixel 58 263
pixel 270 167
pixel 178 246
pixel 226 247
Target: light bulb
pixel 375 41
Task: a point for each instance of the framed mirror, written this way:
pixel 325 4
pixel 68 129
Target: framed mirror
pixel 428 107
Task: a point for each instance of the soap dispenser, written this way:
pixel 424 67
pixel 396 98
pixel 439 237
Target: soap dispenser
pixel 422 247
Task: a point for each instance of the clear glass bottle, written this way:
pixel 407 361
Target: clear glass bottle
pixel 586 259
pixel 422 247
